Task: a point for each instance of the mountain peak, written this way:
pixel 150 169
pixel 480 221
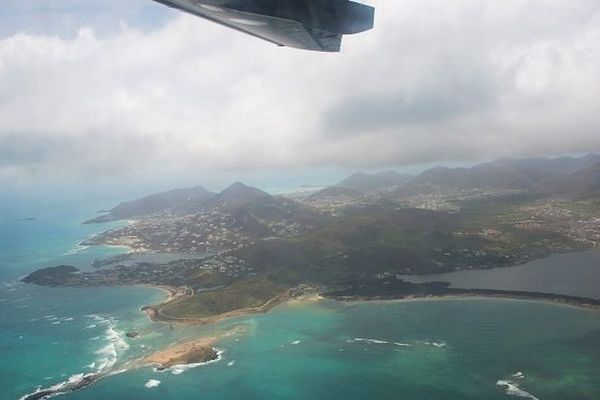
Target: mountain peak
pixel 237 194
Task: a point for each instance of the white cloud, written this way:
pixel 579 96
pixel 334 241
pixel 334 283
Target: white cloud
pixel 436 80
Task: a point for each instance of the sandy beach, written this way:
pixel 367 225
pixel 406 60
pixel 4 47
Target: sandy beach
pixel 197 350
pixel 193 351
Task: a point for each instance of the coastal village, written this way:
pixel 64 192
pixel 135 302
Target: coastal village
pixel 202 232
pixel 583 227
pixel 213 234
pixel 243 247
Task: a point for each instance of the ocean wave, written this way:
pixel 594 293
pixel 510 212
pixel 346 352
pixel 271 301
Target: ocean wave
pixel 378 341
pixel 116 344
pixel 513 389
pixel 370 341
pixel 434 344
pixel 152 383
pixel 108 355
pixel 74 382
pixel 296 342
pixel 75 250
pixel 399 344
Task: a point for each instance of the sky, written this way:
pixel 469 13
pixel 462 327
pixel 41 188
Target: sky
pixel 132 91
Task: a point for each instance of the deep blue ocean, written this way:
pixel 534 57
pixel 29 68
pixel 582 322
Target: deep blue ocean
pixel 446 350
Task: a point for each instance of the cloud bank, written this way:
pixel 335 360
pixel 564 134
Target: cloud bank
pixel 434 81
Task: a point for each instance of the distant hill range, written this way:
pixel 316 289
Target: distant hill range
pixel 574 176
pixel 545 175
pixel 578 176
pixel 363 181
pixel 333 192
pixel 250 205
pixel 585 182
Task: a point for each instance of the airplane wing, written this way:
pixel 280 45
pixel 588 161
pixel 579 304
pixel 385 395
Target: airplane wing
pixel 304 24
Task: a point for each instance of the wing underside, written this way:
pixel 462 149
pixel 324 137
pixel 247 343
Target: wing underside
pixel 304 24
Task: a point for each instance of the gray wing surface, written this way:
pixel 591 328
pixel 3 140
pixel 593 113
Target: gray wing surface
pixel 304 24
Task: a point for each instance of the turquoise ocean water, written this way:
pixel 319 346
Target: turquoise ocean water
pixel 458 349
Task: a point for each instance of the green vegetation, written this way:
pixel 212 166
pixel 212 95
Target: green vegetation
pixel 366 241
pixel 239 295
pixel 584 207
pixel 270 245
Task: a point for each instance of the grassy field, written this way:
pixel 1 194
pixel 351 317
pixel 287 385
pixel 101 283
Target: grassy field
pixel 239 295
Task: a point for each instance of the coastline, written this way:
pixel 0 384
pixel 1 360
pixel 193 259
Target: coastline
pixel 171 292
pixel 581 303
pixel 545 298
pixel 155 314
pixel 193 351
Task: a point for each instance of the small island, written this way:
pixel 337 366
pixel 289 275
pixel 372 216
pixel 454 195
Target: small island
pixel 190 352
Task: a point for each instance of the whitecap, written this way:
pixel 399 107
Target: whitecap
pixel 152 383
pixel 434 344
pixel 116 344
pixel 60 388
pixel 512 389
pixel 90 326
pixel 370 341
pixel 519 375
pixel 296 342
pixel 402 344
pixel 231 363
pixel 75 250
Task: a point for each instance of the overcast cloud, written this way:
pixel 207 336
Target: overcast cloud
pixel 436 80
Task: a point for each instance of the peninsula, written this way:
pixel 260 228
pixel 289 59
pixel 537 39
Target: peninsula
pixel 247 250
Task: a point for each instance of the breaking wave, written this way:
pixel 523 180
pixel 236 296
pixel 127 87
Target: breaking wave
pixel 513 389
pixel 399 344
pixel 108 355
pixel 75 250
pixel 116 344
pixel 152 383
